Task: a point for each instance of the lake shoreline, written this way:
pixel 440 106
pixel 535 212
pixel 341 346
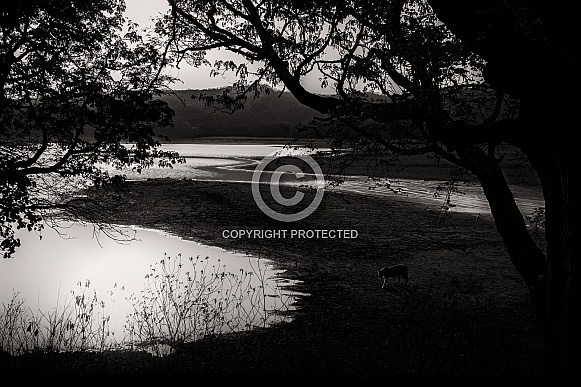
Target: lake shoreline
pixel 466 312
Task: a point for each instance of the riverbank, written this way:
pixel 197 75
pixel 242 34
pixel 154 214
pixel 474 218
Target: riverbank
pixel 465 313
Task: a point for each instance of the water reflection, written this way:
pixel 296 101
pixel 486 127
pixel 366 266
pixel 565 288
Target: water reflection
pixel 56 269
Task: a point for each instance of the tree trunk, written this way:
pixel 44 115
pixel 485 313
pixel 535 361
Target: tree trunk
pixel 563 302
pixel 552 281
pixel 523 251
pixel 557 167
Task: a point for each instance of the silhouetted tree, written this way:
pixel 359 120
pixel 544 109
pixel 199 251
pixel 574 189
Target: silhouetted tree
pixel 532 52
pixel 457 87
pixel 78 91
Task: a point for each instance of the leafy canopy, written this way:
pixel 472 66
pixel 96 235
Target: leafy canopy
pixel 397 76
pixel 79 86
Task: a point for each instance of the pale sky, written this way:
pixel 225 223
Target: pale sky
pixel 141 12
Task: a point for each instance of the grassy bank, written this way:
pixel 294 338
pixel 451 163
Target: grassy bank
pixel 464 313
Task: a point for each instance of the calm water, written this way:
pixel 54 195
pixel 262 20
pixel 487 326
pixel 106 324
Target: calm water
pixel 223 150
pixel 45 272
pixel 207 162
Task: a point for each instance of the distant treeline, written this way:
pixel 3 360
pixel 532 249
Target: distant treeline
pixel 270 115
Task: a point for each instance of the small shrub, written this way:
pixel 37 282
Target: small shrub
pixel 78 324
pixel 184 302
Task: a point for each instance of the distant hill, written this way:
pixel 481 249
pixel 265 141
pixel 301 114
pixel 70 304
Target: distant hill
pixel 270 115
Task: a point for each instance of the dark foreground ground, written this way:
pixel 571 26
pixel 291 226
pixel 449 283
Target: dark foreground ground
pixel 464 314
